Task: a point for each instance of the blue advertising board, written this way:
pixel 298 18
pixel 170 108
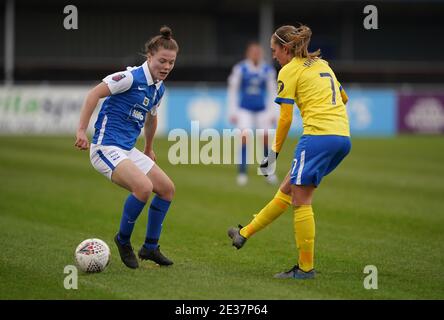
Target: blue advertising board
pixel 206 105
pixel 372 112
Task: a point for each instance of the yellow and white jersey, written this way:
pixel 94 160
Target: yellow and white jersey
pixel 312 85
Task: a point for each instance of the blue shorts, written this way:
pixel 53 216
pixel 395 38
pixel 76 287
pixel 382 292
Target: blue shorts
pixel 317 156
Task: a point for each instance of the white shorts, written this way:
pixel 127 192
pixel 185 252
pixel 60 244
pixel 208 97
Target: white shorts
pixel 254 120
pixel 106 158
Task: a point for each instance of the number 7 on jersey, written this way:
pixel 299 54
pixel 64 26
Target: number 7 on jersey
pixel 333 98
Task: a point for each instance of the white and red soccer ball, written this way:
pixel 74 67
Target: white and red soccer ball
pixel 92 255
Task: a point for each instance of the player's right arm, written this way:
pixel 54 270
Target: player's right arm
pixel 286 99
pixel 91 101
pixel 287 83
pixel 283 126
pixel 113 84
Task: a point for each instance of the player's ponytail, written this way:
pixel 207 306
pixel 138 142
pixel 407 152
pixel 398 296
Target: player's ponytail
pixel 163 40
pixel 296 39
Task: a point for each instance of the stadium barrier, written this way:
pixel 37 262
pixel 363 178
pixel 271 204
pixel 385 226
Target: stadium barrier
pixel 373 112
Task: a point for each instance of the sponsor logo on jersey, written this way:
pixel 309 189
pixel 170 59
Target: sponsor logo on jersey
pixel 118 77
pixel 137 115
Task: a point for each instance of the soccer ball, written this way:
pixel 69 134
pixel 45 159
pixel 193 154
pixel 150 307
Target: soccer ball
pixel 92 255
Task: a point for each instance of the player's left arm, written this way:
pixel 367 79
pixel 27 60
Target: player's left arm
pixel 149 132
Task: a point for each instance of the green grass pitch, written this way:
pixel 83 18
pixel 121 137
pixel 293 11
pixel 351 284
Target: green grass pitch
pixel 383 206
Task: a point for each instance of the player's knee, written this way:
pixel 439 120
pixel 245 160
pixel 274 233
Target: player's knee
pixel 300 200
pixel 301 195
pixel 143 190
pixel 171 190
pixel 165 188
pixel 168 191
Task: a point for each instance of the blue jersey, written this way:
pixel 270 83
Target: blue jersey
pixel 251 85
pixel 122 115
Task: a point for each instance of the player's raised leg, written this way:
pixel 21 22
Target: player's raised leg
pixel 164 190
pixel 278 205
pixel 129 176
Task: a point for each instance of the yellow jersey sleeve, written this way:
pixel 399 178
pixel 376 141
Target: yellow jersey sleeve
pixel 283 126
pixel 344 95
pixel 287 83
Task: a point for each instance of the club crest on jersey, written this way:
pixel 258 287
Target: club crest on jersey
pixel 280 86
pixel 118 77
pixel 146 101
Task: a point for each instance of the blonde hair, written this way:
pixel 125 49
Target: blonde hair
pixel 296 39
pixel 163 40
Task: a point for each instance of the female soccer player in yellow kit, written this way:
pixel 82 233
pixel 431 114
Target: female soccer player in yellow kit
pixel 308 81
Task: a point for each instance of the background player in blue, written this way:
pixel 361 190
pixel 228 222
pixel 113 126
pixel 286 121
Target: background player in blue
pixel 251 90
pixel 132 99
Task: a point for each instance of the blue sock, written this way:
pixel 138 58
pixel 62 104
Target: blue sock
pixel 131 210
pixel 265 149
pixel 156 214
pixel 243 164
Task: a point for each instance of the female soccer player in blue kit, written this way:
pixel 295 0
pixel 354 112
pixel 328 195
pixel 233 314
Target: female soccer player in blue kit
pixel 132 99
pixel 308 81
pixel 251 90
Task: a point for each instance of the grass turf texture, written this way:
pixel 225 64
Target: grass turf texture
pixel 383 206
